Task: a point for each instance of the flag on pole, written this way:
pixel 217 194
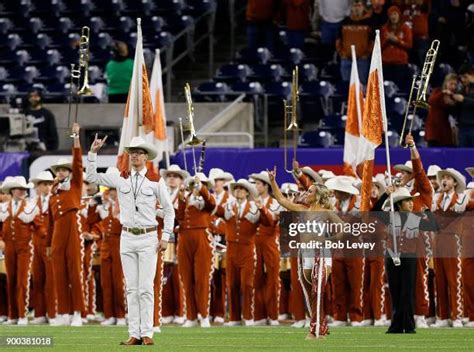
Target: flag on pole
pixel 160 139
pixel 374 123
pixel 138 116
pixel 355 104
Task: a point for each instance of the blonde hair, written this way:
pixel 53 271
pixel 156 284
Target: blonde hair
pixel 449 77
pixel 322 197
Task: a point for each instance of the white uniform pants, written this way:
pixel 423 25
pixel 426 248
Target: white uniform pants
pixel 138 254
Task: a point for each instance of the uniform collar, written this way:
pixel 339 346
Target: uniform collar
pixel 142 172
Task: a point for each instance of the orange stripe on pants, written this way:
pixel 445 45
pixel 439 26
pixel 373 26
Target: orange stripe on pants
pixel 89 279
pixel 67 266
pixel 240 273
pixel 448 288
pixel 158 289
pixel 422 303
pixel 218 291
pixel 17 262
pixel 468 284
pixel 44 298
pixel 195 270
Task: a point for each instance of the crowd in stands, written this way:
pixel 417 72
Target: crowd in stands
pixel 407 28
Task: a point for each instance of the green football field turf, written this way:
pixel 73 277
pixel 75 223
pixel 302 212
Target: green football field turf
pixel 98 338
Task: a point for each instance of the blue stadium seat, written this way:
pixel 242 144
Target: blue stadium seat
pixel 127 24
pixel 306 72
pixel 396 105
pixel 176 24
pixel 65 24
pixel 13 41
pixel 331 72
pixel 5 25
pixel 315 100
pixel 247 87
pixel 266 73
pixel 316 139
pixel 232 73
pixel 292 55
pixel 390 88
pixel 43 40
pixel 211 92
pixel 336 121
pixel 275 92
pixel 254 56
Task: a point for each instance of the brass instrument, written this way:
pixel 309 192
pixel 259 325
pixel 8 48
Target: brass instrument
pixel 182 143
pixel 84 56
pixel 76 73
pixel 421 85
pixel 290 114
pixel 193 139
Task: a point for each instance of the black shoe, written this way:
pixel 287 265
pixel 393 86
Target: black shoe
pixel 410 332
pixel 394 331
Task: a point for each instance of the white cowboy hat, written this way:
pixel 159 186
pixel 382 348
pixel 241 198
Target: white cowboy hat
pixel 15 182
pixel 433 170
pixel 326 175
pixel 379 184
pixel 288 188
pixel 43 176
pixel 203 178
pixel 470 185
pixel 470 171
pixel 139 143
pixel 261 176
pixel 460 179
pixel 219 174
pixel 245 184
pixel 408 167
pixel 399 195
pixel 312 174
pixel 65 163
pixel 174 169
pixel 342 184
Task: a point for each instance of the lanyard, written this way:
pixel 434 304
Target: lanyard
pixel 137 189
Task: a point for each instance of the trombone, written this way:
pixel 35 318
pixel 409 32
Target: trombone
pixel 420 85
pixel 84 56
pixel 193 140
pixel 83 66
pixel 290 114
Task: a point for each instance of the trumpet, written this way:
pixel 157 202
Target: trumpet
pixel 84 56
pixel 420 85
pixel 290 114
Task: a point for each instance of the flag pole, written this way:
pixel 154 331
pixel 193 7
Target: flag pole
pixel 357 87
pixel 395 255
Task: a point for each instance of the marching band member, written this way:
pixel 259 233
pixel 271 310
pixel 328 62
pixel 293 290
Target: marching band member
pixel 63 240
pixel 415 178
pixel 172 301
pixel 468 255
pixel 89 220
pixel 242 215
pixel 44 300
pixel 195 249
pixel 401 278
pixel 267 274
pixel 138 194
pixel 111 272
pixel 17 217
pixel 347 268
pixel 296 297
pixel 447 249
pixel 432 174
pixel 315 264
pixel 4 198
pixel 218 227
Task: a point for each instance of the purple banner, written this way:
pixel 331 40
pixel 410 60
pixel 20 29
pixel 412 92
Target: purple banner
pixel 11 164
pixel 242 162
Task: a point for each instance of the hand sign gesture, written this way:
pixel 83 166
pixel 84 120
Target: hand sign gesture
pixel 272 174
pixel 97 143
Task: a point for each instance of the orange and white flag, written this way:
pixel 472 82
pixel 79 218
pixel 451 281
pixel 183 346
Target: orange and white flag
pixel 355 104
pixel 374 123
pixel 138 116
pixel 160 139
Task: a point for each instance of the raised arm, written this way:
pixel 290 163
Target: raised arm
pixel 279 196
pixel 92 175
